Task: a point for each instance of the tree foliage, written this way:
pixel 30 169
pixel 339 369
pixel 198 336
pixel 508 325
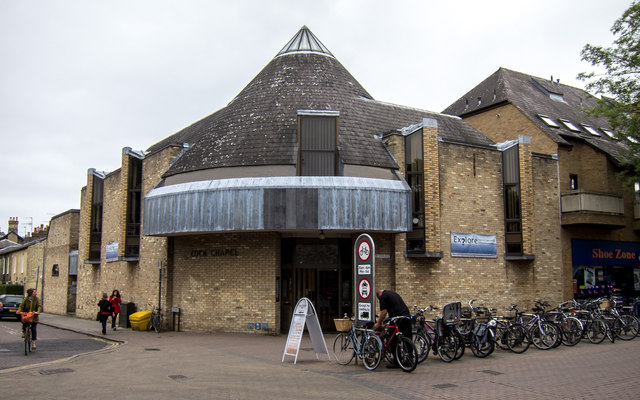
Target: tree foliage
pixel 619 83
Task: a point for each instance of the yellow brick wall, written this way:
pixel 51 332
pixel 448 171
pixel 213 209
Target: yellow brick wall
pixel 137 281
pixel 510 124
pixel 61 239
pixel 432 218
pixel 226 293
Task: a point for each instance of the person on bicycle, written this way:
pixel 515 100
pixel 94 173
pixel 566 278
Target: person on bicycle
pixel 31 303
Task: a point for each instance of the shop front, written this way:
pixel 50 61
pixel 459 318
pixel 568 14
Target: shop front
pixel 605 268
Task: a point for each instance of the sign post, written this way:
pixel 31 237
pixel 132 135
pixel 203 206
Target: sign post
pixel 304 313
pixel 364 279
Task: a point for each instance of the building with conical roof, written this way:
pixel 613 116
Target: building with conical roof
pixel 231 220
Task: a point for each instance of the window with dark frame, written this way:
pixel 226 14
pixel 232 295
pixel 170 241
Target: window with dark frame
pixel 95 236
pixel 134 205
pixel 55 270
pixel 573 181
pixel 414 174
pixel 512 201
pixel 318 143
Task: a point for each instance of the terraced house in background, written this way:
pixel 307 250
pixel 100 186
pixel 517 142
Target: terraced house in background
pixel 234 218
pixel 600 219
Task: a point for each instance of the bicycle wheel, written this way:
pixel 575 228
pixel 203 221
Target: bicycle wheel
pixel 544 335
pixel 27 340
pixel 461 345
pixel 406 354
pixel 481 350
pixel 596 331
pixel 517 339
pixel 558 341
pixel 572 331
pixel 422 344
pixel 446 345
pixel 630 326
pixel 500 339
pixel 156 321
pixel 343 349
pixel 371 352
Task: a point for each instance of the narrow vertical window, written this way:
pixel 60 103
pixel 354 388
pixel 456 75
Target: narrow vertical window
pixel 95 238
pixel 637 190
pixel 414 173
pixel 573 181
pixel 512 201
pixel 134 205
pixel 318 143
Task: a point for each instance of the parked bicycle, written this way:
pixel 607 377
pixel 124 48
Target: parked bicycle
pixel 360 342
pixel 478 336
pixel 155 320
pixel 396 347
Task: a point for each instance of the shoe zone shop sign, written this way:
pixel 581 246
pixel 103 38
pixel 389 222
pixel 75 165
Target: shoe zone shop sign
pixel 364 279
pixel 605 253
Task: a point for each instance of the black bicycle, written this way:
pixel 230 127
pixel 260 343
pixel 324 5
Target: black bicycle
pixel 27 319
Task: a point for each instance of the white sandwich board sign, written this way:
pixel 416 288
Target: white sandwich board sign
pixel 304 313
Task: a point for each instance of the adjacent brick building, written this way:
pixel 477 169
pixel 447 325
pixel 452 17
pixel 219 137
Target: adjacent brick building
pixel 600 220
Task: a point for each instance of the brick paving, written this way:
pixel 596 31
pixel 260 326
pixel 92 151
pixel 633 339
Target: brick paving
pixel 245 366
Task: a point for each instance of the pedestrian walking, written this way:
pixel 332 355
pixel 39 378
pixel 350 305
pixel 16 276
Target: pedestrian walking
pixel 105 312
pixel 115 307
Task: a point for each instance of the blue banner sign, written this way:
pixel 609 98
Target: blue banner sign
pixel 473 245
pixel 605 253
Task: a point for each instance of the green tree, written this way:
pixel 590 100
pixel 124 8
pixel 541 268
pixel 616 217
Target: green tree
pixel 619 83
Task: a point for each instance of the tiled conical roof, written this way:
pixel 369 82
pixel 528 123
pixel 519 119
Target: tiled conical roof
pixel 259 126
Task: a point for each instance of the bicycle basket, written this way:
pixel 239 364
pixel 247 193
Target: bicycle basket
pixel 27 317
pixel 342 324
pixel 451 313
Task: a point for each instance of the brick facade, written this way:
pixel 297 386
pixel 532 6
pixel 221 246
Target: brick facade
pixel 470 192
pixel 61 240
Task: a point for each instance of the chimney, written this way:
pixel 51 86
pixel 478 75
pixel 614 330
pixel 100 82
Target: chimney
pixel 13 225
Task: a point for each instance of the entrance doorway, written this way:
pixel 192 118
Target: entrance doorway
pixel 321 271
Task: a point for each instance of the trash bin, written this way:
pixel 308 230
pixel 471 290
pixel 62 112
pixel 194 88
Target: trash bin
pixel 126 309
pixel 140 320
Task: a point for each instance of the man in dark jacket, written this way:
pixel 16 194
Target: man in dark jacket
pixel 392 304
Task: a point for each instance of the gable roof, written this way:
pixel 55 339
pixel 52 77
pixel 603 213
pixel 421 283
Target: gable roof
pixel 536 97
pixel 259 126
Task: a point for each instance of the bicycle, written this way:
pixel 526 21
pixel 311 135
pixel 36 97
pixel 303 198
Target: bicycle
pixel 27 319
pixel 543 334
pixel 367 346
pixel 423 332
pixel 155 320
pixel 402 349
pixel 476 335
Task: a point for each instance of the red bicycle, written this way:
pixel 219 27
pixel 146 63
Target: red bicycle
pixel 398 349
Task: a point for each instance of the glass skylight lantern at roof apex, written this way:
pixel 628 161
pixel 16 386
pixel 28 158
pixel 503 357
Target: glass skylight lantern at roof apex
pixel 304 41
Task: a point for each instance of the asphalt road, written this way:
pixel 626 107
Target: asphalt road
pixel 53 344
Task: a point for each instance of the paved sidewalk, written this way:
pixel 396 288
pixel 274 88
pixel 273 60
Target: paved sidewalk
pixel 190 365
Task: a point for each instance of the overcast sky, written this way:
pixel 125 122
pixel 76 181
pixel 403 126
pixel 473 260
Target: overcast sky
pixel 80 80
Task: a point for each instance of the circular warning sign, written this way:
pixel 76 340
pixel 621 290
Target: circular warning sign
pixel 364 251
pixel 364 288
